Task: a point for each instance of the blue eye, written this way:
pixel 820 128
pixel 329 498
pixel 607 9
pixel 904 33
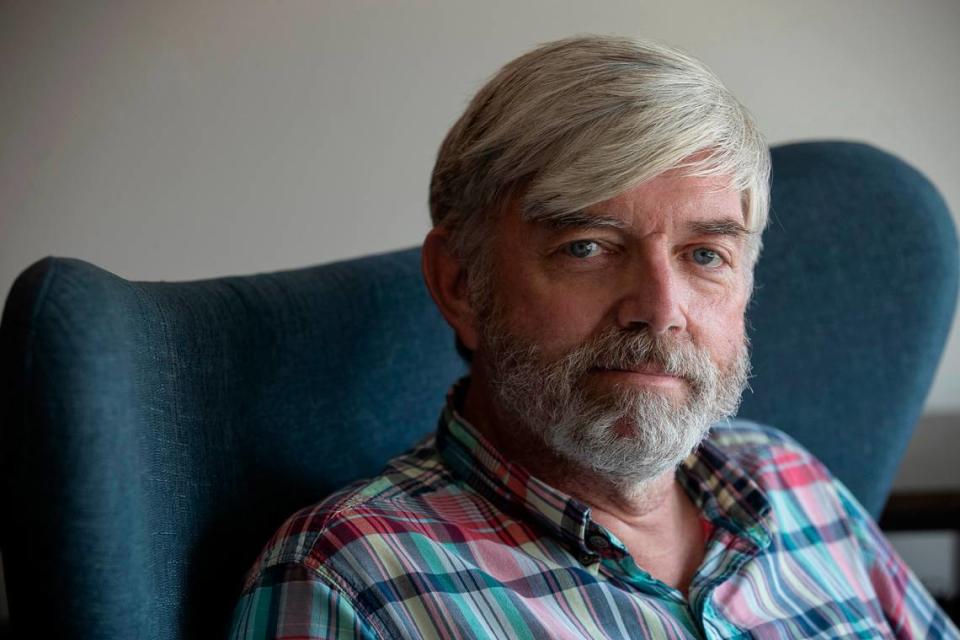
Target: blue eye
pixel 707 258
pixel 583 248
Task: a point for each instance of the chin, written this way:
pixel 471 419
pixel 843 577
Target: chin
pixel 629 434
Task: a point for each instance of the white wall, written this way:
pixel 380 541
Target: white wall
pixel 179 140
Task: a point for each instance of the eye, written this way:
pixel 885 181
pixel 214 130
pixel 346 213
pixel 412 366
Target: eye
pixel 583 248
pixel 707 257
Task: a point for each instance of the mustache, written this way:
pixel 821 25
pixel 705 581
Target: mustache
pixel 618 349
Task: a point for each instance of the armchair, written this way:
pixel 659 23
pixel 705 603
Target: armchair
pixel 154 434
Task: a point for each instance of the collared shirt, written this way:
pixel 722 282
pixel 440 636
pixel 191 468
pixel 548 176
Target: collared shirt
pixel 453 541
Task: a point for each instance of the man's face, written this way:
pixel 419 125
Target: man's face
pixel 617 335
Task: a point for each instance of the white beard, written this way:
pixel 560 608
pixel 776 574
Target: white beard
pixel 626 434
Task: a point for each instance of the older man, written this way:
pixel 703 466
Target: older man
pixel 597 214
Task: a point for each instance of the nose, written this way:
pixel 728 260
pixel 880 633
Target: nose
pixel 652 296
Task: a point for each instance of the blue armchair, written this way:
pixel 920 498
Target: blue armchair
pixel 155 434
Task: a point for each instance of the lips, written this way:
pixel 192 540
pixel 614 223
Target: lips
pixel 649 369
pixel 646 369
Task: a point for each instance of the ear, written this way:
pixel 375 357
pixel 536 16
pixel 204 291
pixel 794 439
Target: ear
pixel 446 280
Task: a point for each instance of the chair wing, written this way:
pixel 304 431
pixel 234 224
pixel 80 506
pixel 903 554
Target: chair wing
pixel 855 294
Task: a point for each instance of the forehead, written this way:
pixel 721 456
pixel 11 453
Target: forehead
pixel 672 199
pixel 675 196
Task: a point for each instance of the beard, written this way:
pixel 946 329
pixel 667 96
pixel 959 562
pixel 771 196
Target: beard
pixel 622 433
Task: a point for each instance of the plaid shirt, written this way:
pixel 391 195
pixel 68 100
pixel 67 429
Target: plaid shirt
pixel 452 541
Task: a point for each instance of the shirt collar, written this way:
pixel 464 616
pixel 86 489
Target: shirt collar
pixel 726 494
pixel 719 487
pixel 509 486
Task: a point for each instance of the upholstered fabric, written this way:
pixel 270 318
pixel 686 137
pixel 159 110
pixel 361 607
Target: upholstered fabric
pixel 155 434
pixel 855 293
pixel 158 433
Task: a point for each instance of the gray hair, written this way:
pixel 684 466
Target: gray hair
pixel 581 120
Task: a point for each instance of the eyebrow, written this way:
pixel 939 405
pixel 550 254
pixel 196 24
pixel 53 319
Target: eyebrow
pixel 722 227
pixel 583 220
pixel 578 220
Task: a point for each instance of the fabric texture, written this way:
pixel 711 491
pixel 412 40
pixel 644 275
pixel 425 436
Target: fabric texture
pixel 846 302
pixel 452 541
pixel 154 434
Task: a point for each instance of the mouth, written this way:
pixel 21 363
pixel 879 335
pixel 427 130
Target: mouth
pixel 646 374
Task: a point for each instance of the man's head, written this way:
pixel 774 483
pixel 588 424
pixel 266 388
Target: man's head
pixel 597 215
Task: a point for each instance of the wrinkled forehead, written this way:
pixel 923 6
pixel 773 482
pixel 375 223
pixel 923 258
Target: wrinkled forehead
pixel 561 191
pixel 672 195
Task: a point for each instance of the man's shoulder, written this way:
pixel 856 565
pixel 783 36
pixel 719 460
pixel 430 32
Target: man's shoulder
pixel 413 489
pixel 747 438
pixel 770 457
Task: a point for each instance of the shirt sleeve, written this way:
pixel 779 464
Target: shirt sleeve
pixel 910 610
pixel 290 601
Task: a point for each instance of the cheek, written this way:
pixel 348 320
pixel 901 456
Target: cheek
pixel 717 323
pixel 556 319
pixel 725 336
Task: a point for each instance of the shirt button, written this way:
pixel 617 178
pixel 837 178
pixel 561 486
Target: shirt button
pixel 598 542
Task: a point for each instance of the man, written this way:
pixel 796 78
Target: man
pixel 597 214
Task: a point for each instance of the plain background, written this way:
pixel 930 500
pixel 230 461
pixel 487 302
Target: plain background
pixel 184 140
